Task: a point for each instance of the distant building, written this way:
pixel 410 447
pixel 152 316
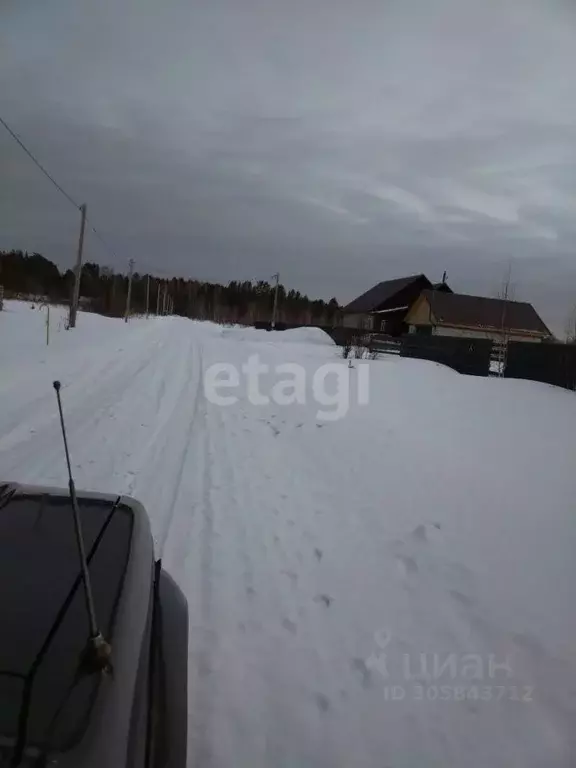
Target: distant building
pixel 384 307
pixel 454 314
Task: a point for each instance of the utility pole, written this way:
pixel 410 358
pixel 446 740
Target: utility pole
pixel 77 271
pixel 129 296
pixel 500 345
pixel 148 297
pixel 164 298
pixel 275 306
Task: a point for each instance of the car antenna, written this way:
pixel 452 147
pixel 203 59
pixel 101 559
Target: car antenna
pixel 97 654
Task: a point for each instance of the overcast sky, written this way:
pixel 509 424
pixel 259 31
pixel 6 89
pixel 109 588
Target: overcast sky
pixel 340 142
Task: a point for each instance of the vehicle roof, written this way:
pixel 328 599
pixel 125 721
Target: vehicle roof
pixel 44 616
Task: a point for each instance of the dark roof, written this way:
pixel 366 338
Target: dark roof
pixel 482 312
pixel 376 296
pixel 442 287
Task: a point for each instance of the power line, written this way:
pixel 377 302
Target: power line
pixel 39 164
pixel 104 243
pixel 58 186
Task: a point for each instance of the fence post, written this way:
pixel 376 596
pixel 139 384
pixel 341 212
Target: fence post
pixel 47 323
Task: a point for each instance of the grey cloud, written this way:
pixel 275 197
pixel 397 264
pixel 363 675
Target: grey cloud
pixel 341 143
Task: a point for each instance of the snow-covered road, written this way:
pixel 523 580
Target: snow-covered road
pixel 394 588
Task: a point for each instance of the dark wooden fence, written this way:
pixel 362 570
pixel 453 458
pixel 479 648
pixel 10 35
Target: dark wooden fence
pixel 545 362
pixel 548 363
pixel 471 356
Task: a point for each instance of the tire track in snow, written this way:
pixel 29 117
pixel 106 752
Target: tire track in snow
pixel 266 614
pixel 99 380
pixel 194 554
pixel 32 451
pixel 185 452
pixel 208 638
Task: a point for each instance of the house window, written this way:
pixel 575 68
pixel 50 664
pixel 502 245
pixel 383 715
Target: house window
pixel 367 323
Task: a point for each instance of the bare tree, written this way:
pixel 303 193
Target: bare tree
pixel 570 327
pixel 360 346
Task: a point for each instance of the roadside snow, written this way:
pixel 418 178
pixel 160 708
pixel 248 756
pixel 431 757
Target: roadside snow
pixel 347 580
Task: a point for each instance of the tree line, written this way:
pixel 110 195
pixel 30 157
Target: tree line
pixel 104 291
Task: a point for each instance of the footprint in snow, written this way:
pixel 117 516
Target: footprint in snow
pixel 361 668
pixel 290 626
pixel 325 599
pixel 318 554
pixel 406 565
pixel 292 576
pixel 425 532
pixel 419 533
pixel 322 702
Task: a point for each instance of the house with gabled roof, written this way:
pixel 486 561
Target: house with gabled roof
pixel 456 314
pixel 383 308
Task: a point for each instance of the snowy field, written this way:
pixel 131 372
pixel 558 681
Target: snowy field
pixel 392 589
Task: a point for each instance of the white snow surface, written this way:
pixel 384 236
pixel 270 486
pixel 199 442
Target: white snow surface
pixel 322 558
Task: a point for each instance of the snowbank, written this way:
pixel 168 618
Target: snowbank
pixel 303 336
pixel 292 336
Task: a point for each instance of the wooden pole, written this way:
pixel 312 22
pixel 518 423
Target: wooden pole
pixel 77 271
